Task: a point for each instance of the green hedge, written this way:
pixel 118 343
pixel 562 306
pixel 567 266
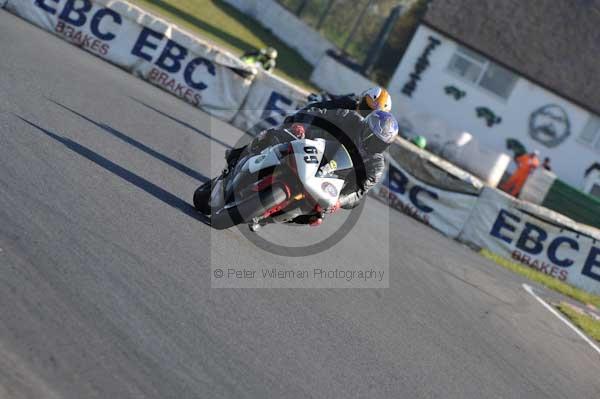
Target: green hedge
pixel 577 205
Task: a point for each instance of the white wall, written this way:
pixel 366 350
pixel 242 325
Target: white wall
pixel 337 78
pixel 286 26
pixel 430 110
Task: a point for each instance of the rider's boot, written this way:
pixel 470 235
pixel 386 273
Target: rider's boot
pixel 255 225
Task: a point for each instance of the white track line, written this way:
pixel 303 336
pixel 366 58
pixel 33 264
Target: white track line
pixel 561 317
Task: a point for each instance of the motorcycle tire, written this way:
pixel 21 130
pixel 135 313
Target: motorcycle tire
pixel 202 198
pixel 250 208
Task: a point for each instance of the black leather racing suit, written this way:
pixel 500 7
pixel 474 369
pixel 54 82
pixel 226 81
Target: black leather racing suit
pixel 344 126
pixel 347 127
pixel 350 102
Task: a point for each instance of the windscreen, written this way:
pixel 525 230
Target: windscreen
pixel 336 152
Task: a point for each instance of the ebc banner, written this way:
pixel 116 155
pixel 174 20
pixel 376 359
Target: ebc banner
pixel 158 52
pixel 445 211
pixel 501 226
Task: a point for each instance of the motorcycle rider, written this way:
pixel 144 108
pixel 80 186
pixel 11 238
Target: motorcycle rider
pixel 373 99
pixel 265 58
pixel 365 138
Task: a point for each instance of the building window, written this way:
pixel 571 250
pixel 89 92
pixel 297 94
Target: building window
pixel 590 136
pixel 477 69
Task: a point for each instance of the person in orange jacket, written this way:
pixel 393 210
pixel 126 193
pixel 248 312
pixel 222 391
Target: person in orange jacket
pixel 526 164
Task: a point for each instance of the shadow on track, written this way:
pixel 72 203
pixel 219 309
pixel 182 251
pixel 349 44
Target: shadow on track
pixel 130 177
pixel 185 124
pixel 142 147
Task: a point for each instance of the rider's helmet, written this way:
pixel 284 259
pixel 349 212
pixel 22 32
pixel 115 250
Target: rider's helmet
pixel 381 129
pixel 375 99
pixel 271 53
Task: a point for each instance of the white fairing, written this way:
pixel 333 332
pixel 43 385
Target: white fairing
pixel 265 159
pixel 216 196
pixel 308 167
pixel 308 155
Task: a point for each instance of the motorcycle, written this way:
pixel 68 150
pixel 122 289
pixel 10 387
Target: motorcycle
pixel 284 181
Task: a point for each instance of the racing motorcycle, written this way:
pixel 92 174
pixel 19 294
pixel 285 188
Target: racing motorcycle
pixel 284 181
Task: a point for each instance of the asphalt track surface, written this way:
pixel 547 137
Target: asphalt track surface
pixel 105 270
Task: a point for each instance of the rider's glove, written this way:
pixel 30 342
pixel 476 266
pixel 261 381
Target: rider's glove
pixel 334 208
pixel 298 131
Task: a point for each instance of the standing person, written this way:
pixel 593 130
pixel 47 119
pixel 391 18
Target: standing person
pixel 526 164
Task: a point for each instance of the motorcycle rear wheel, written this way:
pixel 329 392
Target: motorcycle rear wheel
pixel 202 198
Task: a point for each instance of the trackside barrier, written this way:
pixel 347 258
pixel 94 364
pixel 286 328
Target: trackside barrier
pixel 416 183
pixel 204 76
pixel 536 237
pixel 431 190
pixel 267 104
pixel 459 206
pixel 294 32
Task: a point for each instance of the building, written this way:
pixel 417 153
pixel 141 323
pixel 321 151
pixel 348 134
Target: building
pixel 592 180
pixel 501 69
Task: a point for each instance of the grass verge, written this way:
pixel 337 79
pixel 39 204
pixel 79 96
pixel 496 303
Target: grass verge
pixel 550 282
pixel 588 325
pixel 223 25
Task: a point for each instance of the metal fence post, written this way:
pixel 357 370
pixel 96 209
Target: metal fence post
pixel 325 14
pixel 384 33
pixel 356 25
pixel 301 8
